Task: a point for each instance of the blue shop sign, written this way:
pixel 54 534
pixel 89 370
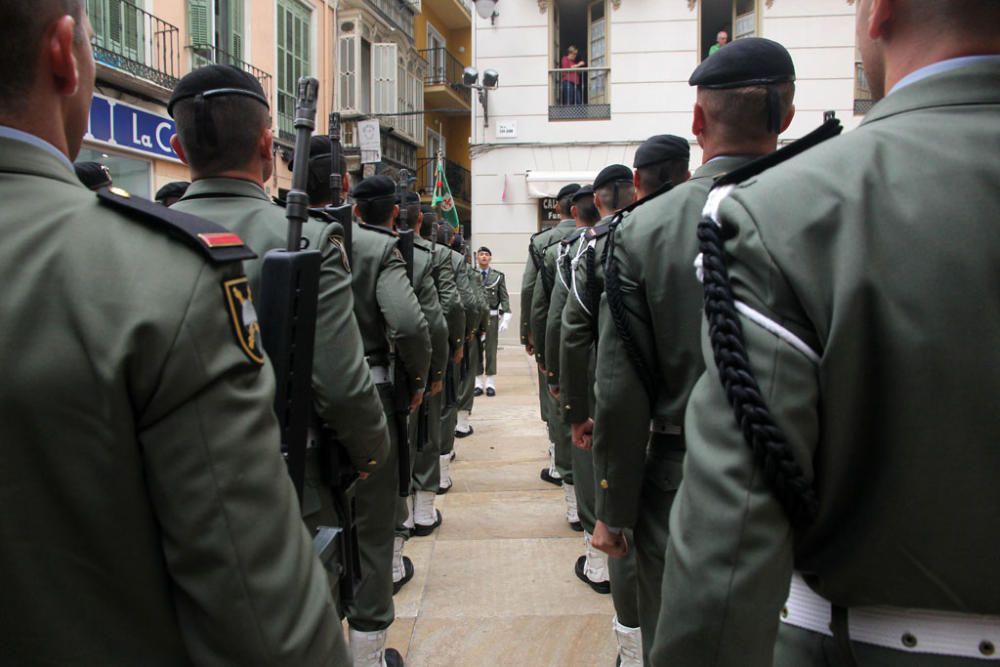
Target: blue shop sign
pixel 122 125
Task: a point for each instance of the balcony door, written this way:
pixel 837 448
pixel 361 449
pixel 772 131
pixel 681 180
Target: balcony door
pixel 436 58
pixel 118 28
pixel 216 29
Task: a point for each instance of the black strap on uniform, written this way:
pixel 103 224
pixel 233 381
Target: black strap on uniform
pixel 771 451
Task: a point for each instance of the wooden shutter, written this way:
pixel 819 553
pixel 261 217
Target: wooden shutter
pixel 348 65
pixel 200 22
pixel 384 77
pixel 236 29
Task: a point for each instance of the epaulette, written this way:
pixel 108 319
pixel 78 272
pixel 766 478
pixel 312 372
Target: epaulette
pixel 829 129
pixel 321 215
pixel 571 239
pixel 215 242
pixel 417 246
pixel 376 228
pixel 597 231
pixel 278 201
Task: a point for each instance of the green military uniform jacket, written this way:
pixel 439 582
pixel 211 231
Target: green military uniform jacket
pixel 393 319
pixel 875 255
pixel 566 252
pixel 654 252
pixel 542 292
pixel 530 278
pixel 430 304
pixel 150 519
pixel 465 291
pixel 448 292
pixel 479 294
pixel 344 394
pixel 495 285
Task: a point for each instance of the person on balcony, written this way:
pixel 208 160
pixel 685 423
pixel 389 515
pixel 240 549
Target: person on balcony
pixel 570 81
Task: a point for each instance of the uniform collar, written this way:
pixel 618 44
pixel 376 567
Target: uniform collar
pixel 224 187
pixel 24 137
pixel 722 164
pixel 940 68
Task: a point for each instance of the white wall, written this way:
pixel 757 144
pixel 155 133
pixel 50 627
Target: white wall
pixel 653 48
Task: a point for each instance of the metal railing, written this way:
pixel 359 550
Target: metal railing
pixel 130 39
pixel 581 93
pixel 206 54
pixel 444 69
pixel 459 178
pixel 863 101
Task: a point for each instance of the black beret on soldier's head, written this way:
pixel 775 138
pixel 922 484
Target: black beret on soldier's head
pixel 585 191
pixel 567 190
pixel 751 61
pixel 374 187
pixel 172 190
pixel 211 81
pixel 661 148
pixel 93 174
pixel 411 197
pixel 614 173
pixel 485 249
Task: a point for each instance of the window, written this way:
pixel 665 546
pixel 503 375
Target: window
pixel 118 28
pixel 217 30
pixel 579 78
pixel 130 174
pixel 348 73
pixel 436 50
pixel 737 18
pixel 863 101
pixel 293 61
pixel 385 97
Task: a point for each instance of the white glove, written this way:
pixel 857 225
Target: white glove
pixel 504 323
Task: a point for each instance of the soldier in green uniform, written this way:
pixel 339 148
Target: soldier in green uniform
pixel 416 514
pixel 155 522
pixel 859 274
pixel 649 347
pixel 533 278
pixel 466 393
pixel 495 284
pixel 394 331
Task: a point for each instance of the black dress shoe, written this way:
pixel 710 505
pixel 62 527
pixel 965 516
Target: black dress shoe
pixel 444 489
pixel 423 531
pixel 477 392
pixel 547 477
pixel 393 658
pixel 490 391
pixel 464 434
pixel 453 455
pixel 602 587
pixel 576 525
pixel 407 575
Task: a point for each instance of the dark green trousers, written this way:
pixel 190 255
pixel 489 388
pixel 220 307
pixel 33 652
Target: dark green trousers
pixel 427 464
pixel 584 487
pixel 625 585
pixel 559 435
pixel 492 339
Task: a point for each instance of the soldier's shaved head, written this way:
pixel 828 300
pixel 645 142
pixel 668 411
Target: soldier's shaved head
pixel 21 32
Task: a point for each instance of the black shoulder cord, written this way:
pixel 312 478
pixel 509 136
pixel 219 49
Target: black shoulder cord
pixel 770 447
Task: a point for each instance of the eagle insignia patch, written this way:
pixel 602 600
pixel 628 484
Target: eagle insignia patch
pixel 244 318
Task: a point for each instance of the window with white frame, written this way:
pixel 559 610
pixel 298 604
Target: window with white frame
pixel 722 21
pixel 293 62
pixel 580 74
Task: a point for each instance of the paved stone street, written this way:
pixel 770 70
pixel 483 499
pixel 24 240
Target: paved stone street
pixel 495 584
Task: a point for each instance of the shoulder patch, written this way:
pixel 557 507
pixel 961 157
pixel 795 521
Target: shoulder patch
pixel 376 228
pixel 215 242
pixel 598 231
pixel 243 316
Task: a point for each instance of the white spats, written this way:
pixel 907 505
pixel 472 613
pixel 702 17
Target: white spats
pixel 491 381
pixel 463 425
pixel 368 648
pixel 423 508
pixel 445 482
pixel 409 513
pixel 480 382
pixel 596 565
pixel 629 644
pixel 398 569
pixel 571 514
pixel 553 473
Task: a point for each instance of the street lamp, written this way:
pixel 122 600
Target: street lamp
pixel 487 9
pixel 491 80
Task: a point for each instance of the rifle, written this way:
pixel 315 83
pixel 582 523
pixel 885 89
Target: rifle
pixel 338 210
pixel 288 305
pixel 401 383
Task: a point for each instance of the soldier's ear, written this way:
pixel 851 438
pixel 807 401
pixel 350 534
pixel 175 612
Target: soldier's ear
pixel 698 121
pixel 788 119
pixel 61 59
pixel 175 143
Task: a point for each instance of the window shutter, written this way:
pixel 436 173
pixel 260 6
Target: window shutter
pixel 95 10
pixel 200 22
pixel 236 29
pixel 384 77
pixel 348 73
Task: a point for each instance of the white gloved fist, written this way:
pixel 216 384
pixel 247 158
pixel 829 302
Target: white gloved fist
pixel 504 323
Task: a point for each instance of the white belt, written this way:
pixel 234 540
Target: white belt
pixel 909 630
pixel 381 374
pixel 494 313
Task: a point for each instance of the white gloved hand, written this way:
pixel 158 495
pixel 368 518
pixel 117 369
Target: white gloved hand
pixel 504 323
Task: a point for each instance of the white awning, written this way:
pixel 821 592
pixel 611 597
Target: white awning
pixel 543 184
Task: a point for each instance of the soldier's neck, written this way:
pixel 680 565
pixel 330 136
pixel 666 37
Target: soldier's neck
pixel 237 174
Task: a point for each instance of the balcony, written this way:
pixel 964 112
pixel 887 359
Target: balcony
pixel 134 48
pixel 863 101
pixel 459 180
pixel 581 93
pixel 443 87
pixel 455 14
pixel 206 54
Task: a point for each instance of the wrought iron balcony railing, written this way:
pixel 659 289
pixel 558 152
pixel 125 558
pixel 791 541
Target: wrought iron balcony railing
pixel 206 54
pixel 130 39
pixel 580 93
pixel 444 69
pixel 863 101
pixel 459 178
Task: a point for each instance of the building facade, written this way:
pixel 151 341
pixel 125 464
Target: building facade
pixel 549 125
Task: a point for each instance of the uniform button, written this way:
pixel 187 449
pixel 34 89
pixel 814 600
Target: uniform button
pixel 567 407
pixel 987 648
pixel 909 641
pixel 604 484
pixel 784 612
pixel 372 462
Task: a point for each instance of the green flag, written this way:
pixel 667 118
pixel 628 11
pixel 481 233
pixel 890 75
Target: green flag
pixel 442 198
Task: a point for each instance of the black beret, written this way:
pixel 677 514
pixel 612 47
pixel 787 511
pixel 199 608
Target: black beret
pixel 319 146
pixel 412 197
pixel 427 209
pixel 486 250
pixel 661 148
pixel 585 191
pixel 93 174
pixel 751 61
pixel 216 80
pixel 174 189
pixel 374 187
pixel 611 174
pixel 568 190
